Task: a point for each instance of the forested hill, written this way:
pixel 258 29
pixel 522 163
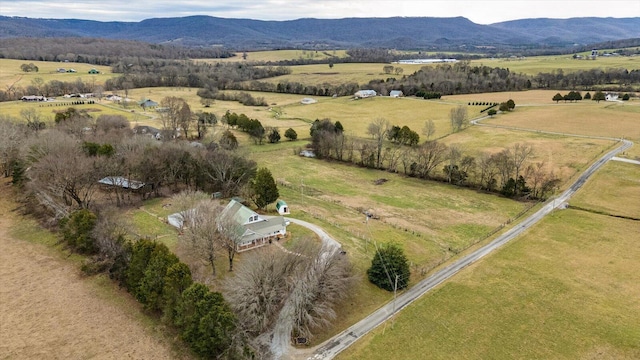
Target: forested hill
pixel 395 32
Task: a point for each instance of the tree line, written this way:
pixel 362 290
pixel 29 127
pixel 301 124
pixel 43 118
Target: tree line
pixel 509 172
pixel 99 51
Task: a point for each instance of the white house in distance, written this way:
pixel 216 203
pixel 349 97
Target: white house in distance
pixel 255 230
pixel 361 94
pixel 396 93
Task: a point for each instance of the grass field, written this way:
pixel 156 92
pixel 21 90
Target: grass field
pixel 614 190
pixel 48 110
pixel 566 290
pixel 534 65
pixel 565 156
pixel 584 118
pixel 356 115
pixel 11 74
pixel 359 73
pixel 281 55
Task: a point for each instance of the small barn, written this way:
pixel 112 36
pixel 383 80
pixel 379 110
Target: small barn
pixel 396 93
pixel 146 103
pixel 282 207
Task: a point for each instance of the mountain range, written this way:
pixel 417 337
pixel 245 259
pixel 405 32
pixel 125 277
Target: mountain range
pixel 393 32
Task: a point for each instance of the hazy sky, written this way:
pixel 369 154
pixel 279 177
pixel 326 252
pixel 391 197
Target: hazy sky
pixel 481 12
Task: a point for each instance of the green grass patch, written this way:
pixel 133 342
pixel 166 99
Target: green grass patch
pixel 614 190
pixel 11 74
pixel 537 64
pixel 565 290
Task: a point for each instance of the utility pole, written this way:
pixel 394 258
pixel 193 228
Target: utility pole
pixel 395 292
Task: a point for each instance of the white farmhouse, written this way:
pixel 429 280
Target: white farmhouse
pixel 361 94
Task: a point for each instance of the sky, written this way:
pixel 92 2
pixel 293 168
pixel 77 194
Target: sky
pixel 480 12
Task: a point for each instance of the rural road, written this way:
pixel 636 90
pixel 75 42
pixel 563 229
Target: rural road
pixel 332 347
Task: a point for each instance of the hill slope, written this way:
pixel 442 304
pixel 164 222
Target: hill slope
pixel 398 32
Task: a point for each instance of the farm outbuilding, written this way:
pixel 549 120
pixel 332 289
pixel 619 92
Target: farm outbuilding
pixel 396 93
pixel 146 103
pixel 282 207
pixel 361 94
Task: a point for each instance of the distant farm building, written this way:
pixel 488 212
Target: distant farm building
pixel 307 101
pixel 396 93
pixel 611 97
pixel 361 94
pixel 94 71
pixel 33 98
pixel 146 103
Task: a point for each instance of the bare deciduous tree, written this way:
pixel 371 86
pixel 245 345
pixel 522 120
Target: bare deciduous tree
pixel 62 170
pixel 458 118
pixel 278 294
pixel 379 129
pixel 201 231
pixel 429 129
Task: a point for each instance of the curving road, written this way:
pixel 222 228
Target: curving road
pixel 332 347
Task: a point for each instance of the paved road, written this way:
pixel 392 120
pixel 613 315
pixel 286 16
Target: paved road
pixel 333 346
pixel 636 162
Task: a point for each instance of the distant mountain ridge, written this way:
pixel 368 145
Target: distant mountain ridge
pixel 393 32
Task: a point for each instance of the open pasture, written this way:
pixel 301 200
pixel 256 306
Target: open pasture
pixel 610 119
pixel 566 290
pixel 546 64
pixel 281 55
pixel 359 73
pixel 11 74
pixel 432 221
pixel 529 97
pixel 565 156
pixel 614 190
pixel 356 115
pixel 428 218
pixel 47 110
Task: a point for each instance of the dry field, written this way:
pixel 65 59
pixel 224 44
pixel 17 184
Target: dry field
pixel 568 289
pixel 615 190
pixel 48 110
pixel 48 310
pixel 280 55
pixel 565 156
pixel 11 74
pixel 359 73
pixel 547 64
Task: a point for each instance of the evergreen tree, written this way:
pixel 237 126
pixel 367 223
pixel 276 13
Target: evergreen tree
pixel 389 268
pixel 264 188
pixel 291 134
